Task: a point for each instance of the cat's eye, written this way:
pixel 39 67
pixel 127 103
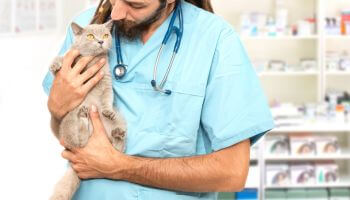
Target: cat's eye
pixel 105 36
pixel 90 36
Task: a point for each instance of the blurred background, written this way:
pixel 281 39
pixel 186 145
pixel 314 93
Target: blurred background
pixel 299 48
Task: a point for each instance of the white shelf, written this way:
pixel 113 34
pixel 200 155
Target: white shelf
pixel 344 156
pixel 262 74
pixel 253 156
pixel 325 127
pixel 338 37
pixel 341 184
pixel 338 73
pixel 311 37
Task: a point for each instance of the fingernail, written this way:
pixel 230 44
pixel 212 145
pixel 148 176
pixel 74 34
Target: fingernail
pixel 102 60
pixel 93 108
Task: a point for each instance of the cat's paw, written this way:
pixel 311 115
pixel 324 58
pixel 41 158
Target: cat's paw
pixel 109 114
pixel 83 112
pixel 118 134
pixel 55 67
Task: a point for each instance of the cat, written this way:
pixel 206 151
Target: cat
pixel 76 127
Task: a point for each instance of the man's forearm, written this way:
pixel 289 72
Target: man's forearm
pixel 206 173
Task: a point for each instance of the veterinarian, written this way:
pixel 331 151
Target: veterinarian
pixel 189 144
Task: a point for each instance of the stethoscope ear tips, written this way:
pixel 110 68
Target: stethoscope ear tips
pixel 154 85
pixel 168 92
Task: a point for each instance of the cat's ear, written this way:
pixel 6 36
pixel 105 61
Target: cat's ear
pixel 77 30
pixel 109 24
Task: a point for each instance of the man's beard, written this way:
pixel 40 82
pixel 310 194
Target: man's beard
pixel 132 30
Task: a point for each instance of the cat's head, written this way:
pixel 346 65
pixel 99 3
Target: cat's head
pixel 94 39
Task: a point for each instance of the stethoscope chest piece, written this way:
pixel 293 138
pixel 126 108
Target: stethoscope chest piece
pixel 120 71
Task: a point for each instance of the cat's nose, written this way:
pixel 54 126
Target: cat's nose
pixel 100 42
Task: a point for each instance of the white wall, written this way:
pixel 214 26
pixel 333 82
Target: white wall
pixel 30 155
pixel 28 148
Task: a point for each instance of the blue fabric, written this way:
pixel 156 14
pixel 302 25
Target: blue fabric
pixel 216 100
pixel 247 194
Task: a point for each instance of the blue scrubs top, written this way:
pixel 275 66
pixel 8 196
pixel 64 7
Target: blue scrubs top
pixel 216 100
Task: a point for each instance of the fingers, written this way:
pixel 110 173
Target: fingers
pixel 92 82
pixel 69 58
pixel 95 118
pixel 88 175
pixel 81 64
pixel 68 155
pixel 91 71
pixel 83 175
pixel 80 167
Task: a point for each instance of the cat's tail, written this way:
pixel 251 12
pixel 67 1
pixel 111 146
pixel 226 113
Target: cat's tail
pixel 67 186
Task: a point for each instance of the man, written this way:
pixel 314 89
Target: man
pixel 186 145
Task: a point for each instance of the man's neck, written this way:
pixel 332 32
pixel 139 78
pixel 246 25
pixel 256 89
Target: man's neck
pixel 147 34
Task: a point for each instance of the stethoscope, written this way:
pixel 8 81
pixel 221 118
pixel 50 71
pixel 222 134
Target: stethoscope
pixel 120 69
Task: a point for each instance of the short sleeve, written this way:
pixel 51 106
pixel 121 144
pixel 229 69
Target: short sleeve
pixel 235 107
pixel 47 82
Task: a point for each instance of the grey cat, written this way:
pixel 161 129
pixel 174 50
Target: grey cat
pixel 76 127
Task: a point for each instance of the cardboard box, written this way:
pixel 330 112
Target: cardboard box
pixel 302 145
pixel 302 174
pixel 277 174
pixel 277 145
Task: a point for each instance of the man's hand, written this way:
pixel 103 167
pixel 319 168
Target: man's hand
pixel 70 86
pixel 98 159
pixel 225 170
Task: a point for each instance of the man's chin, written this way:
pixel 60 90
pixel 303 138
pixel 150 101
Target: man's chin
pixel 129 31
pixel 130 34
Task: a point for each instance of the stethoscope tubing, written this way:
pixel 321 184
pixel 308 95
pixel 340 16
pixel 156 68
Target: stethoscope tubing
pixel 171 29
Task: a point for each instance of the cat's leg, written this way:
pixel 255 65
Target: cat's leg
pixel 74 128
pixel 114 117
pixel 107 101
pixel 118 138
pixel 83 112
pixel 118 132
pixel 67 186
pixel 56 65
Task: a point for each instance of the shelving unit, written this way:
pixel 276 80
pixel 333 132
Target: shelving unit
pixel 31 17
pixel 295 86
pixel 312 46
pixel 342 156
pixel 342 131
pixel 339 73
pixel 341 184
pixel 262 74
pixel 337 37
pixel 60 18
pixel 311 37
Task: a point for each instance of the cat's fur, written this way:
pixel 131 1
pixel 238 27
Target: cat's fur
pixel 76 127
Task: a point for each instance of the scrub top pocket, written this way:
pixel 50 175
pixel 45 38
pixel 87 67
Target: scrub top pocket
pixel 169 123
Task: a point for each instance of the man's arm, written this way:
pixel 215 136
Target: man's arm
pixel 222 171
